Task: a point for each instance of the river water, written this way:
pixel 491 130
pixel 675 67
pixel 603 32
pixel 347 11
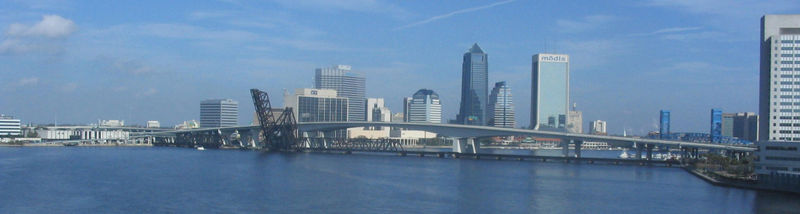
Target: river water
pixel 180 180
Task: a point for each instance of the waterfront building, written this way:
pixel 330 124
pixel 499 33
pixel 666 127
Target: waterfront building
pixel 716 125
pixel 474 87
pixel 501 106
pixel 191 124
pixel 598 127
pixel 663 127
pixel 780 65
pixel 425 107
pixel 111 123
pixel 9 126
pixel 575 120
pixel 348 84
pixel 550 92
pixel 219 113
pixel 406 107
pixel 317 105
pixel 153 124
pixel 778 156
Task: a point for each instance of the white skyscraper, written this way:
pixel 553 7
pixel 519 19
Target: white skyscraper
pixel 425 107
pixel 377 110
pixel 598 127
pixel 501 106
pixel 779 102
pixel 779 89
pixel 219 113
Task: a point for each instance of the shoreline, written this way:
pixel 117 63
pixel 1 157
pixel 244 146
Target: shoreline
pixel 753 186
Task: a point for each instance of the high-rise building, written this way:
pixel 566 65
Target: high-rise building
pixel 348 84
pixel 575 120
pixel 550 92
pixel 377 110
pixel 474 87
pixel 425 107
pixel 780 65
pixel 501 106
pixel 406 107
pixel 716 125
pixel 317 105
pixel 742 125
pixel 777 162
pixel 598 127
pixel 663 128
pixel 9 126
pixel 727 124
pixel 219 113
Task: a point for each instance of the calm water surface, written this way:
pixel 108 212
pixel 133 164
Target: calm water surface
pixel 170 180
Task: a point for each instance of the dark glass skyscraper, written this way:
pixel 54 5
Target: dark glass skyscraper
pixel 716 125
pixel 664 125
pixel 474 87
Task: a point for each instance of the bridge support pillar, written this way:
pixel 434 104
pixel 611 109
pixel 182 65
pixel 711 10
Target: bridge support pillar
pixel 649 151
pixel 475 145
pixel 578 145
pixel 565 148
pixel 458 145
pixel 639 152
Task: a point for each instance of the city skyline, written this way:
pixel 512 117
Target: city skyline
pixel 54 65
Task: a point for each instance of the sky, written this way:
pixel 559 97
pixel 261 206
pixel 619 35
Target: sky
pixel 82 61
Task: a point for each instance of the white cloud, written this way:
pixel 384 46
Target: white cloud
pixel 669 30
pixel 448 15
pixel 148 92
pixel 367 6
pixel 28 81
pixel 45 36
pixel 51 26
pixel 588 23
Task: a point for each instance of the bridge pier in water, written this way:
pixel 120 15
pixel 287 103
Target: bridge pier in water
pixel 466 145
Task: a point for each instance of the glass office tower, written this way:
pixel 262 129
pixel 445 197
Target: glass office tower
pixel 663 129
pixel 550 92
pixel 716 125
pixel 347 83
pixel 474 87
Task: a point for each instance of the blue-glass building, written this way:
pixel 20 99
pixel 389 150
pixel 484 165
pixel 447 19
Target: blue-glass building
pixel 550 92
pixel 474 87
pixel 716 125
pixel 663 128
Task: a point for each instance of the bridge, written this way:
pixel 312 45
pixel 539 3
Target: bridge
pixel 285 134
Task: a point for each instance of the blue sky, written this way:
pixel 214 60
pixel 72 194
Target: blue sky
pixel 81 61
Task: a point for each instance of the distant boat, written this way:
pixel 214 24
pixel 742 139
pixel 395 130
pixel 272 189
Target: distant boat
pixel 201 148
pixel 624 154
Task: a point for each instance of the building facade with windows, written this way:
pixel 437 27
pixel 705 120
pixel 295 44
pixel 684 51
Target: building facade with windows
pixel 425 107
pixel 219 113
pixel 10 126
pixel 474 87
pixel 663 125
pixel 598 127
pixel 550 92
pixel 778 158
pixel 317 105
pixel 716 125
pixel 348 84
pixel 501 106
